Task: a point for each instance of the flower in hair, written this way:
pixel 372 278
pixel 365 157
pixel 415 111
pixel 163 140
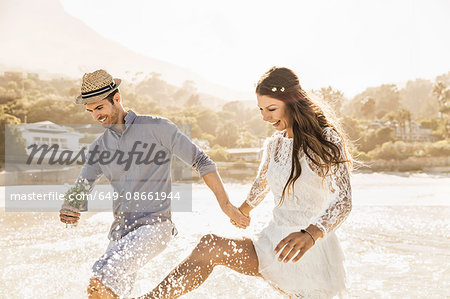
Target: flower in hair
pixel 274 89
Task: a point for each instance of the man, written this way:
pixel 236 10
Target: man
pixel 141 228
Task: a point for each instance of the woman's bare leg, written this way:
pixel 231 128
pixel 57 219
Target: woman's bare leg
pixel 212 250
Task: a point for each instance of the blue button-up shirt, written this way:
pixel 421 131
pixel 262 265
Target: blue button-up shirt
pixel 157 139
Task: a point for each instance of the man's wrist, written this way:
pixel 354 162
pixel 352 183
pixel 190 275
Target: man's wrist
pixel 68 207
pixel 225 205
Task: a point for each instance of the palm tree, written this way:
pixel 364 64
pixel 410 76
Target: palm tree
pixel 441 92
pixel 403 118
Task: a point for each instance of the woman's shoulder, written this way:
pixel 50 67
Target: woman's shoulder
pixel 278 135
pixel 270 140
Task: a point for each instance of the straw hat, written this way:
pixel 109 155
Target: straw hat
pixel 96 86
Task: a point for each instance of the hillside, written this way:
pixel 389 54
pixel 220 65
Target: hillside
pixel 40 36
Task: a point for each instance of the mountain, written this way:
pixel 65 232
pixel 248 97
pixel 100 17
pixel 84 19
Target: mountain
pixel 40 36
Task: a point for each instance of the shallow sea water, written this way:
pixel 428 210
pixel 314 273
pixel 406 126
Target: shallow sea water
pixel 396 243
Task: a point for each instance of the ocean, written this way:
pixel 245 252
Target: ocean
pixel 396 243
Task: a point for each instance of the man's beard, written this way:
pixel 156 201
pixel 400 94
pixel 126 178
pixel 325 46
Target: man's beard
pixel 113 120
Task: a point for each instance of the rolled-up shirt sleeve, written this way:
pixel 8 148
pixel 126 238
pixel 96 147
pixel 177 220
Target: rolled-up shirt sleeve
pixel 91 170
pixel 182 147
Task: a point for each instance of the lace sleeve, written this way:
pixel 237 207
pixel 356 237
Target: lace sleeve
pixel 260 187
pixel 338 182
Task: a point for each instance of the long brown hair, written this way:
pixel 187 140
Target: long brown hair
pixel 308 122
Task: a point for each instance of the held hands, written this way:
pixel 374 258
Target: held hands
pixel 296 243
pixel 237 218
pixel 243 213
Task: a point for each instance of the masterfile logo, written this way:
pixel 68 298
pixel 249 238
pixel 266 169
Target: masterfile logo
pixel 44 160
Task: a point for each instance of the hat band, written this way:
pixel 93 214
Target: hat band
pixel 98 91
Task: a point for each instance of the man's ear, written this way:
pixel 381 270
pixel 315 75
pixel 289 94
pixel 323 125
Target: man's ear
pixel 117 98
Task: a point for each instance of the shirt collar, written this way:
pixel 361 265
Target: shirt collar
pixel 130 117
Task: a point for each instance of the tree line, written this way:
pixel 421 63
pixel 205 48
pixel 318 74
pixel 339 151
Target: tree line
pixel 235 123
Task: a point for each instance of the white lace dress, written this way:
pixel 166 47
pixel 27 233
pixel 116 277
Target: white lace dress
pixel 325 203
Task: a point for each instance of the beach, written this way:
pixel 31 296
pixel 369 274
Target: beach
pixel 396 243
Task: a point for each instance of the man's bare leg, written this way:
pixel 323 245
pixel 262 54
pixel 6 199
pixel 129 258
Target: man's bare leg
pixel 97 290
pixel 212 250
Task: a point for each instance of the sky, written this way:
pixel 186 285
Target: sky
pixel 348 44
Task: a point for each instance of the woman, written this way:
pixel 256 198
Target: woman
pixel 306 165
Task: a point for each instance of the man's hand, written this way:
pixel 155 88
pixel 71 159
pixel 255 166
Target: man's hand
pixel 69 215
pixel 214 183
pixel 245 210
pixel 236 217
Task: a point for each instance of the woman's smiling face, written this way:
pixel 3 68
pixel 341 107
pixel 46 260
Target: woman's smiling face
pixel 276 113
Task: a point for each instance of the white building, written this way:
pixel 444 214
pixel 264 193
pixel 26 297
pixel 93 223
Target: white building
pixel 250 154
pixel 412 131
pixel 46 132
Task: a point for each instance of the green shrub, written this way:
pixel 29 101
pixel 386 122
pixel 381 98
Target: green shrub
pixel 359 156
pixel 373 138
pixel 439 149
pixel 430 123
pixel 218 153
pixel 398 150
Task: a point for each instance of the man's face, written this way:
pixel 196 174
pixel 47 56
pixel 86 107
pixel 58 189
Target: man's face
pixel 104 112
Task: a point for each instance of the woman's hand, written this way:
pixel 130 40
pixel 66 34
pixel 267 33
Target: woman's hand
pixel 245 210
pixel 296 244
pixel 237 218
